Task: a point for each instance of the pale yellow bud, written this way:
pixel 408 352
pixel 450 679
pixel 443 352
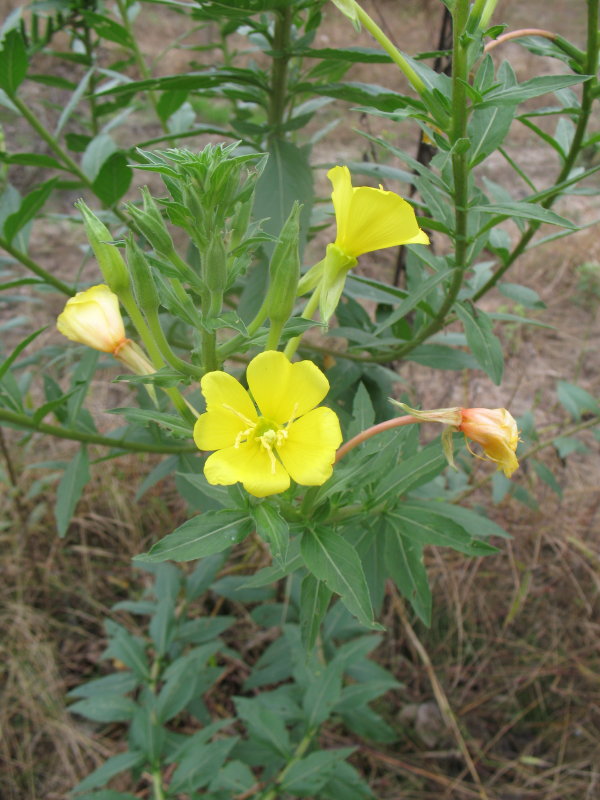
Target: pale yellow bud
pixel 93 318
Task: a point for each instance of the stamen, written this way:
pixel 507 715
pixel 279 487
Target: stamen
pixel 242 435
pixel 266 441
pixel 293 417
pixel 240 415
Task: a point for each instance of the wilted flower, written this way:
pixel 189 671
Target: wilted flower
pixel 496 431
pixel 287 437
pixel 93 318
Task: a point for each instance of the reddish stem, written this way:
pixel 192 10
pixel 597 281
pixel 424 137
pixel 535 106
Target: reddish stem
pixel 361 437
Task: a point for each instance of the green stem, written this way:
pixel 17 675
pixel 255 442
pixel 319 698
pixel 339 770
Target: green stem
pixel 31 265
pixel 587 99
pixel 27 422
pixel 390 49
pixel 165 350
pixel 157 785
pixel 154 352
pixel 279 69
pixel 308 312
pixel 51 142
pixel 298 753
pixel 139 59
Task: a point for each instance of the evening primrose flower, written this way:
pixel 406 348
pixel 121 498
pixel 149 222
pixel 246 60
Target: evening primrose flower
pixel 93 318
pixel 492 428
pixel 367 219
pixel 272 434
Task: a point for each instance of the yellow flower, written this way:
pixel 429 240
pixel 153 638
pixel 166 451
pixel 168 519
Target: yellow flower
pixel 496 431
pixel 93 318
pixel 287 437
pixel 370 219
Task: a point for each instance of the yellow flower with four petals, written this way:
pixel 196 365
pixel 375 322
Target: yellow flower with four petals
pixel 275 432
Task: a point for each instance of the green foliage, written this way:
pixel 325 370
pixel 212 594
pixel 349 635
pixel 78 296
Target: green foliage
pixel 206 269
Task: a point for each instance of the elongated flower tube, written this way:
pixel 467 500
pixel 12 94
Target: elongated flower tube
pixel 367 219
pixel 274 433
pixel 93 318
pixel 493 428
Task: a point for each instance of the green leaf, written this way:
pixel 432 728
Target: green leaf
pixel 13 62
pixel 119 763
pixel 405 567
pixel 334 561
pixel 271 526
pixel 200 767
pixel 113 179
pixel 6 364
pixel 575 400
pixel 30 205
pixel 107 708
pixel 286 178
pixel 75 477
pixel 522 294
pixel 264 725
pixel 314 602
pixel 308 776
pixel 96 153
pixel 420 293
pixel 487 130
pixel 484 344
pixel 426 527
pixel 412 472
pixel 107 794
pixel 118 682
pixel 200 536
pixel 546 475
pixel 145 416
pixel 532 211
pixel 531 88
pixel 440 356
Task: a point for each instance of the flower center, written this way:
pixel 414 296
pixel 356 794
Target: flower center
pixel 270 435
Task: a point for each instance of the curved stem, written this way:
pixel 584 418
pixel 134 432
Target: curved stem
pixel 298 753
pixel 31 265
pixel 27 422
pixel 279 69
pixel 361 437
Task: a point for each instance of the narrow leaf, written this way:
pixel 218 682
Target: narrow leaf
pixel 75 477
pixel 484 344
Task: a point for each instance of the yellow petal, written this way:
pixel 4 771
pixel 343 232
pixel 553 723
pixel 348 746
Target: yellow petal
pixel 93 318
pixel 370 219
pixel 283 390
pixel 217 428
pixel 309 451
pixel 342 198
pixel 378 219
pixel 250 464
pixel 222 390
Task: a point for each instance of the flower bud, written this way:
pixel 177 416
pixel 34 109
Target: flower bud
pixel 141 276
pixel 93 318
pixel 496 431
pixel 109 258
pixel 284 270
pixel 150 222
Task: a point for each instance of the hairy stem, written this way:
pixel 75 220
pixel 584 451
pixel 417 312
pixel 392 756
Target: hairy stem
pixel 25 421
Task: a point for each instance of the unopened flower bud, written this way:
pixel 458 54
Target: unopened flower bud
pixel 109 258
pixel 284 270
pixel 141 276
pixel 93 318
pixel 150 222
